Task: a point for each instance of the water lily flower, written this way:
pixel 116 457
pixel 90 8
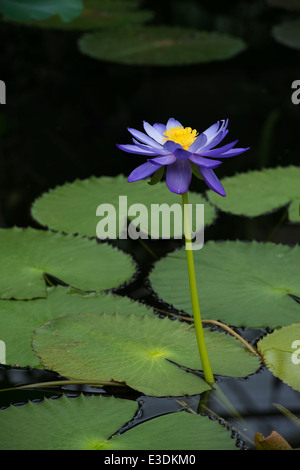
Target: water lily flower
pixel 179 149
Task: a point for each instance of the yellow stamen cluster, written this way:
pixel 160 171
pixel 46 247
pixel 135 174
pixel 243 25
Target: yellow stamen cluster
pixel 184 136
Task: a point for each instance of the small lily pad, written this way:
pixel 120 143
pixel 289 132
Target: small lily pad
pixel 281 354
pixel 72 208
pixel 28 9
pixel 145 352
pixel 80 423
pixel 160 45
pixel 27 254
pixel 97 420
pixel 240 283
pixel 18 319
pixel 257 192
pixel 288 33
pixel 98 14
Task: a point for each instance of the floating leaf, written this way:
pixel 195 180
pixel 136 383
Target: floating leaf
pixel 143 351
pixel 18 319
pixel 50 425
pixel 64 424
pixel 258 192
pixel 98 14
pixel 176 431
pixel 239 283
pixel 28 9
pixel 281 354
pixel 288 33
pixel 26 254
pixel 160 45
pixel 72 207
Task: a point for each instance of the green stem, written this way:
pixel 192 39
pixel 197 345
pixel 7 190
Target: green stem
pixel 208 375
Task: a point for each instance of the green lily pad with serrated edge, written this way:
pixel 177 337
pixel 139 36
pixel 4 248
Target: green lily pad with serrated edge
pixel 145 352
pixel 257 192
pixel 176 431
pixel 97 14
pixel 240 283
pixel 79 423
pixel 280 351
pixel 160 45
pixel 72 208
pixel 18 319
pixel 27 9
pixel 26 254
pixel 50 426
pixel 288 33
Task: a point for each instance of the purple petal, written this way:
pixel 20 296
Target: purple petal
pixel 161 128
pixel 204 162
pixel 173 123
pixel 142 171
pixel 233 152
pixel 166 160
pixel 198 143
pixel 153 133
pixel 171 146
pixel 211 131
pixel 134 149
pixel 181 153
pixel 144 138
pixel 215 141
pixel 218 151
pixel 212 181
pixel 178 176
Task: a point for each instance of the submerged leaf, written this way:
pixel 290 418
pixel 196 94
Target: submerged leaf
pixel 160 45
pixel 28 9
pixel 288 33
pixel 143 351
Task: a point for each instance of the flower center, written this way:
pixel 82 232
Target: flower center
pixel 184 136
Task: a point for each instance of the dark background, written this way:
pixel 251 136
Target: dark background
pixel 65 111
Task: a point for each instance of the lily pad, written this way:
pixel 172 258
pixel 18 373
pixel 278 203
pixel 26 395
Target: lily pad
pixel 257 192
pixel 98 14
pixel 26 254
pixel 175 431
pixel 64 424
pixel 288 33
pixel 28 9
pixel 145 352
pixel 73 208
pixel 160 45
pixel 281 354
pixel 240 283
pixel 50 426
pixel 18 319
